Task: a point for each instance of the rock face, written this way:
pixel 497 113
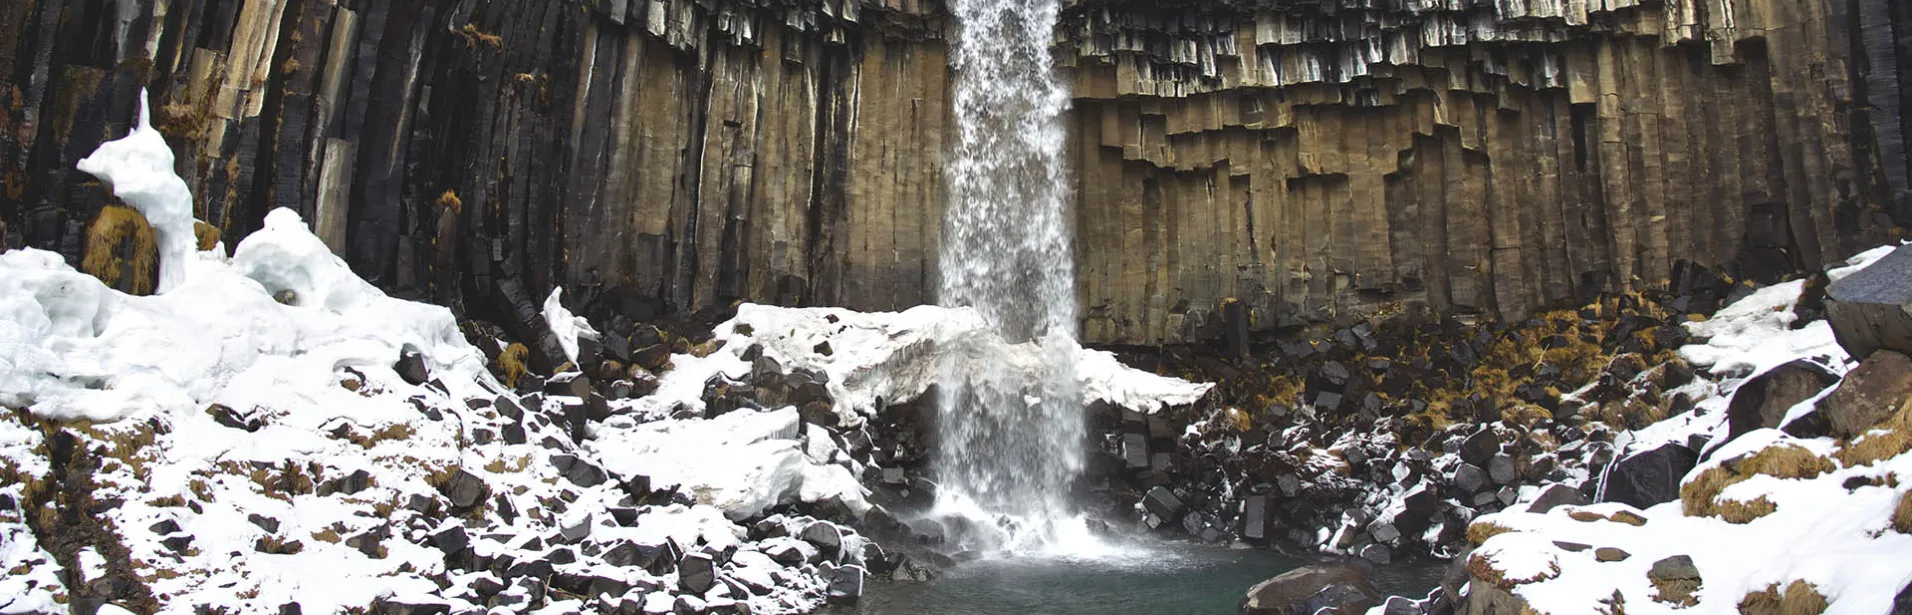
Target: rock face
pixel 1308 160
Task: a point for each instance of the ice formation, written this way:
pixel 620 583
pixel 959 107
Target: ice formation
pixel 139 170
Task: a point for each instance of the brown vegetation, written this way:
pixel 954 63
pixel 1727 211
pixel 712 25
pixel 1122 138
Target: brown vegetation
pixel 1800 598
pixel 1700 495
pixel 122 250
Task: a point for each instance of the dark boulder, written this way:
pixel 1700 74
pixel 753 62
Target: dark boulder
pixel 846 585
pixel 1644 479
pixel 411 606
pixel 1480 447
pixel 825 536
pixel 580 472
pixel 1162 503
pixel 1469 478
pixel 1342 590
pixel 1871 308
pixel 411 367
pixel 464 489
pixel 1557 495
pixel 696 573
pixel 1761 402
pixel 1500 468
pixel 1870 392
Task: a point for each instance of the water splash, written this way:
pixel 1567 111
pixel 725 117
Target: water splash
pixel 1011 441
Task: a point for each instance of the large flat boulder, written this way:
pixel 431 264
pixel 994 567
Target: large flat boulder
pixel 1872 307
pixel 1312 589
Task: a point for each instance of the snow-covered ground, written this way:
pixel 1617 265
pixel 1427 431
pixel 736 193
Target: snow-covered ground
pixel 251 440
pixel 1831 528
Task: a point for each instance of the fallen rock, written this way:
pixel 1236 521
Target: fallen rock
pixel 1344 590
pixel 1675 579
pixel 1652 477
pixel 1469 478
pixel 1500 467
pixel 1871 308
pixel 1557 495
pixel 464 489
pixel 411 367
pixel 1162 503
pixel 1610 554
pixel 1762 401
pixel 696 573
pixel 826 537
pixel 1477 449
pixel 846 585
pixel 1870 392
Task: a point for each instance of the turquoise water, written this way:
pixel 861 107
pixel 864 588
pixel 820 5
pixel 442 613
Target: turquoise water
pixel 1168 580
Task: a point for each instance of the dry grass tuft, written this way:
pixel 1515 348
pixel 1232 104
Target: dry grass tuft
pixel 511 363
pixel 474 37
pixel 449 200
pixel 329 534
pixel 1482 570
pixel 1479 531
pixel 207 235
pixel 1736 511
pixel 1801 598
pixel 1893 439
pixel 1700 496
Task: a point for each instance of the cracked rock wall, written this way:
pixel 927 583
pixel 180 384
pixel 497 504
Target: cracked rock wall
pixel 1314 160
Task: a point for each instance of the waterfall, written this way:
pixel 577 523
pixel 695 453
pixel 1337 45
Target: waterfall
pixel 1010 442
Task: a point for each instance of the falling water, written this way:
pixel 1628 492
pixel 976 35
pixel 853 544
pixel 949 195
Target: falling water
pixel 1011 438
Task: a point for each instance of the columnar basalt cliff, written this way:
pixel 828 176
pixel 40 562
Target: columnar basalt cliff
pixel 1326 158
pixel 1312 160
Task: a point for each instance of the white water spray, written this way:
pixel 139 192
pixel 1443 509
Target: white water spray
pixel 1011 441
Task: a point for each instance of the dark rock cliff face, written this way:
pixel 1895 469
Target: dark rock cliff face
pixel 1313 160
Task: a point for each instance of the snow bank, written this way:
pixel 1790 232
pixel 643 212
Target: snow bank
pixel 139 169
pixel 70 348
pixel 895 357
pixel 743 462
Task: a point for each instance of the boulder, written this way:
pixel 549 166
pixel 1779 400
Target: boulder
pixel 846 585
pixel 696 573
pixel 1308 590
pixel 1762 402
pixel 1610 554
pixel 825 537
pixel 1501 469
pixel 464 489
pixel 1254 519
pixel 1645 479
pixel 1477 449
pixel 1162 503
pixel 1675 579
pixel 411 606
pixel 1557 495
pixel 411 367
pixel 1871 308
pixel 1870 393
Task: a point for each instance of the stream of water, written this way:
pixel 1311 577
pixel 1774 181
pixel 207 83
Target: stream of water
pixel 1011 441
